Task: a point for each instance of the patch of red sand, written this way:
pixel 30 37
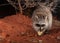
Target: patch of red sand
pixel 18 29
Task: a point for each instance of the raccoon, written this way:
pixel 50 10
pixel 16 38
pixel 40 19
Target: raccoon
pixel 42 19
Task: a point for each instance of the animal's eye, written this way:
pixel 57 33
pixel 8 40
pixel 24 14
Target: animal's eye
pixel 44 17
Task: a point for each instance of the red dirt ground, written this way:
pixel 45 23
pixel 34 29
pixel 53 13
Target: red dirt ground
pixel 18 29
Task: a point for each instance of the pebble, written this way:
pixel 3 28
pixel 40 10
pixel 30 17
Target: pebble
pixel 23 33
pixel 12 42
pixel 58 37
pixel 34 40
pixel 1 38
pixel 40 41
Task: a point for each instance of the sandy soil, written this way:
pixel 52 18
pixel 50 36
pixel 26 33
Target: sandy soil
pixel 18 29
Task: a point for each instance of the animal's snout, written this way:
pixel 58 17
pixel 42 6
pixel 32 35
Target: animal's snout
pixel 40 25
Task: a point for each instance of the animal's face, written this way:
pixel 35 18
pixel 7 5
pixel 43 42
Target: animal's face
pixel 40 22
pixel 40 19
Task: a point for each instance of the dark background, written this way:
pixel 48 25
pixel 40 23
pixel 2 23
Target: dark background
pixel 8 10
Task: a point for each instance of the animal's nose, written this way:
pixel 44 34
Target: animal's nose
pixel 40 25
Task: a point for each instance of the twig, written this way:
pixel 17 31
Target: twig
pixel 20 8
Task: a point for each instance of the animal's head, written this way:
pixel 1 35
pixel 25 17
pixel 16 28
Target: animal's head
pixel 40 18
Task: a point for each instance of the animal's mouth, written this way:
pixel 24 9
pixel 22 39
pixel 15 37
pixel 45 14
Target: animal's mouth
pixel 41 31
pixel 40 28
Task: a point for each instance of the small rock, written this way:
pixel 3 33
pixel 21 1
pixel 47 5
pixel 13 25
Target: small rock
pixel 1 38
pixel 12 42
pixel 40 41
pixel 34 40
pixel 23 33
pixel 58 37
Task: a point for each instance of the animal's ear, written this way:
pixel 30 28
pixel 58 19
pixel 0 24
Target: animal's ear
pixel 51 4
